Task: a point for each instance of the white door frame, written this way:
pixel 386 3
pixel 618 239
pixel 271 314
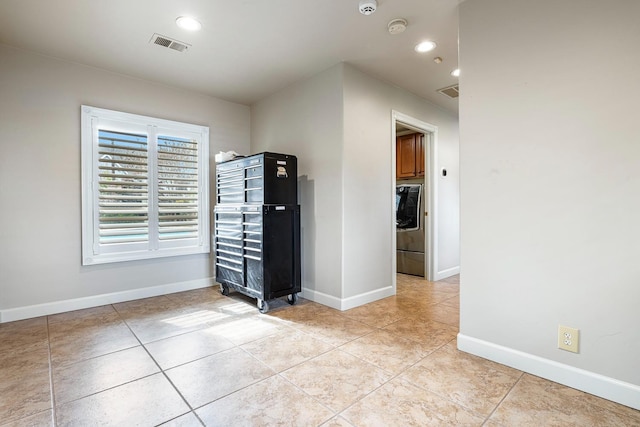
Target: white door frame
pixel 431 200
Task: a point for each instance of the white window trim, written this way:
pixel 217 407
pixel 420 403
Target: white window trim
pixel 92 119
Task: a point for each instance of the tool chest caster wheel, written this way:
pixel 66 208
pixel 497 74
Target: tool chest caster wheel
pixel 263 306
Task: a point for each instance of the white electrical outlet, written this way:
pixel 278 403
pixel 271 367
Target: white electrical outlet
pixel 568 338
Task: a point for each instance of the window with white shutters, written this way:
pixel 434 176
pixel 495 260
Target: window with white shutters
pixel 123 189
pixel 177 188
pixel 145 187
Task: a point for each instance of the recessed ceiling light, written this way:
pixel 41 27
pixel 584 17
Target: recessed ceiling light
pixel 188 23
pixel 456 72
pixel 425 46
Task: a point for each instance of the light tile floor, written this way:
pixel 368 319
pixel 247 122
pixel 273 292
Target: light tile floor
pixel 198 358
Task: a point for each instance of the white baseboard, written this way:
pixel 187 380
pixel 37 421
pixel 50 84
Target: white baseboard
pixel 347 303
pixel 30 311
pixel 321 298
pixel 367 297
pixel 446 273
pixel 608 388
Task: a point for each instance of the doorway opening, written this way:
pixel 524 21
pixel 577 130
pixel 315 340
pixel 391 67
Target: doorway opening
pixel 414 148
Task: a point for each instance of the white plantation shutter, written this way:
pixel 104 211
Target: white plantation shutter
pixel 145 187
pixel 177 188
pixel 123 189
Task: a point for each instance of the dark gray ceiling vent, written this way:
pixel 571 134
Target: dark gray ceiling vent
pixel 450 91
pixel 168 42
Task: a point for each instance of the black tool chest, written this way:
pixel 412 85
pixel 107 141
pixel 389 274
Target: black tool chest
pixel 257 227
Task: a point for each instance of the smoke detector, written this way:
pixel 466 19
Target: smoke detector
pixel 397 26
pixel 367 7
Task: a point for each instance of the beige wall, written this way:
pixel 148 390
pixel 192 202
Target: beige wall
pixel 550 187
pixel 338 123
pixel 369 191
pixel 40 190
pixel 305 120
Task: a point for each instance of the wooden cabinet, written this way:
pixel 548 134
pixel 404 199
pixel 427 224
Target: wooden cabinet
pixel 410 156
pixel 420 154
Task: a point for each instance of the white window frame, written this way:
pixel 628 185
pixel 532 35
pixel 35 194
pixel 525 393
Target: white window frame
pixel 93 252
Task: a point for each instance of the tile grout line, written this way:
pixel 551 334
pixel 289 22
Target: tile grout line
pixel 335 414
pixel 108 388
pixel 279 374
pixel 161 371
pixel 374 329
pixel 393 378
pixel 504 397
pixel 275 373
pixel 51 386
pixel 238 346
pixel 442 396
pixel 445 397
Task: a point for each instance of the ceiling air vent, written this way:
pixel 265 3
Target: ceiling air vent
pixel 450 91
pixel 170 43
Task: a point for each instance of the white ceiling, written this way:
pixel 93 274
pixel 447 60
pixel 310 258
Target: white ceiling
pixel 247 49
